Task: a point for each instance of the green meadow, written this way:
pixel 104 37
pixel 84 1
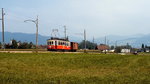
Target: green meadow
pixel 74 68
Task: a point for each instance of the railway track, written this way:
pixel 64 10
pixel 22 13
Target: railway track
pixel 27 51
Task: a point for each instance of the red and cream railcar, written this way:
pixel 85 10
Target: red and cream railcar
pixel 56 44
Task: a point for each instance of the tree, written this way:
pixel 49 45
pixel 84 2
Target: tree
pixel 30 45
pixel 0 45
pixel 25 45
pixel 128 46
pixel 112 47
pixel 146 46
pixel 89 45
pixel 18 45
pixel 142 46
pixel 118 48
pixel 14 44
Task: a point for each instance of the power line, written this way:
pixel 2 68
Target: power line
pixel 55 33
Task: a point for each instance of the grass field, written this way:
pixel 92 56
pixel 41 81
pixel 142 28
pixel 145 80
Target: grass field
pixel 60 68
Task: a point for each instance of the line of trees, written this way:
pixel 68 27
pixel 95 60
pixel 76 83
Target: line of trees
pixel 118 48
pixel 18 45
pixel 0 45
pixel 89 45
pixel 144 48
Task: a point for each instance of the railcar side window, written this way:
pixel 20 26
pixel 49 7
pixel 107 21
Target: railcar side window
pixel 69 44
pixel 59 42
pixel 66 44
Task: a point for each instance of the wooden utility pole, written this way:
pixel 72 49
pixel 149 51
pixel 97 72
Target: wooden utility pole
pixel 3 40
pixel 65 32
pixel 37 22
pixel 105 45
pixel 84 41
pixel 93 43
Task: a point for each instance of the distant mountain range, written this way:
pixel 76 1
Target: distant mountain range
pixel 134 40
pixel 26 37
pixel 23 37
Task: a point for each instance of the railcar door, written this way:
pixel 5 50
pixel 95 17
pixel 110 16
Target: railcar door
pixel 55 44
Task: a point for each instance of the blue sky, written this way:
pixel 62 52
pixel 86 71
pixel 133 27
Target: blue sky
pixel 98 17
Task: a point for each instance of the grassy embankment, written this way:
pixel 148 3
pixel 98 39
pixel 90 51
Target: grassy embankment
pixel 59 68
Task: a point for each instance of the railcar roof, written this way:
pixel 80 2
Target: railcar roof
pixel 55 38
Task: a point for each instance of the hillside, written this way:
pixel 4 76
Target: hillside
pixel 134 40
pixel 24 37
